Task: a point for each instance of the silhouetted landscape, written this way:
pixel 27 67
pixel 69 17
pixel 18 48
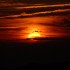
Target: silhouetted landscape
pixel 23 55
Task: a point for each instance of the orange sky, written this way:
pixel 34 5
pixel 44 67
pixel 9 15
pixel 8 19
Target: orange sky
pixel 18 20
pixel 48 26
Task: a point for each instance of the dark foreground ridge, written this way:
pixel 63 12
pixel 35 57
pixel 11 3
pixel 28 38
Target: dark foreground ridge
pixel 20 54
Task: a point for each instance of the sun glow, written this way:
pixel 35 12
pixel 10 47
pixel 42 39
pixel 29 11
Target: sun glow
pixel 34 35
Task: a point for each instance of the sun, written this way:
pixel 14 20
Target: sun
pixel 34 34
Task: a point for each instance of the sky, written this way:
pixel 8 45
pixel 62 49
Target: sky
pixel 26 8
pixel 21 17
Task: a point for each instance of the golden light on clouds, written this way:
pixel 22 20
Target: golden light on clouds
pixel 42 27
pixel 34 34
pixel 34 31
pixel 34 27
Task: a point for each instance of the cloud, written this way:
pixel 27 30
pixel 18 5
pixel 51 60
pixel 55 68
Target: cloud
pixel 35 10
pixel 10 3
pixel 45 13
pixel 44 6
pixel 12 28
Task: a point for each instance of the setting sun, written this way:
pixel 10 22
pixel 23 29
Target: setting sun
pixel 34 34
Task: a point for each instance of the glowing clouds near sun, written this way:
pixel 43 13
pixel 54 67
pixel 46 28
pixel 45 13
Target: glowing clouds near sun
pixel 34 34
pixel 34 31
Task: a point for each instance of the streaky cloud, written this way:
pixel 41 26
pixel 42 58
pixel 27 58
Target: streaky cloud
pixel 44 6
pixel 11 28
pixel 45 13
pixel 35 10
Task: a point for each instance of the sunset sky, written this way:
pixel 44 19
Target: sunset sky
pixel 19 18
